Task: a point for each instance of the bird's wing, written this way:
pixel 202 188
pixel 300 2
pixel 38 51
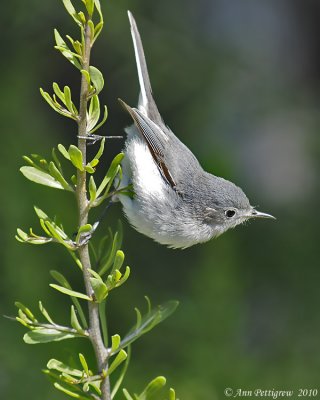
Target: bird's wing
pixel 155 138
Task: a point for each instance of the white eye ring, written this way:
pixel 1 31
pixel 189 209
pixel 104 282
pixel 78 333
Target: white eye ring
pixel 230 213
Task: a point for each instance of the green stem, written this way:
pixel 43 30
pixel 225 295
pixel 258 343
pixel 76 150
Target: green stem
pixel 95 335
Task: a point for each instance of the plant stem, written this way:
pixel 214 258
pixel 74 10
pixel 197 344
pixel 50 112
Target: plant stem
pixel 95 335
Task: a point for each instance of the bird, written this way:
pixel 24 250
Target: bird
pixel 175 201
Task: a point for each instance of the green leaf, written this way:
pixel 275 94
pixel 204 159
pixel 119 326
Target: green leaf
pixel 70 106
pixel 86 75
pixel 89 169
pixel 56 174
pixel 44 312
pixel 127 395
pixel 46 335
pixel 58 92
pixel 71 10
pixel 101 149
pixel 63 282
pixel 116 244
pixel 70 292
pixel 172 394
pixel 105 116
pixel 149 321
pixel 89 6
pixel 70 392
pixel 92 189
pixel 84 364
pixel 118 260
pixel 64 151
pixel 75 322
pixel 94 112
pixel 97 30
pixel 26 310
pixel 84 229
pixel 121 356
pixel 65 50
pixel 115 342
pixel 40 177
pixel 152 388
pixel 99 288
pixel 96 78
pixel 98 7
pixel 76 157
pixel 56 159
pixel 111 173
pixel 64 368
pixel 122 374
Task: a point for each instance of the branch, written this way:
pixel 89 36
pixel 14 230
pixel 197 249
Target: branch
pixel 95 335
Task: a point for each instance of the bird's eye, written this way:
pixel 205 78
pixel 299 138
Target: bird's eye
pixel 230 213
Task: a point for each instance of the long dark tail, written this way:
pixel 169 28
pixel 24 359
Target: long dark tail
pixel 146 101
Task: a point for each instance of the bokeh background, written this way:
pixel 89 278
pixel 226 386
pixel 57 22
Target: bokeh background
pixel 238 82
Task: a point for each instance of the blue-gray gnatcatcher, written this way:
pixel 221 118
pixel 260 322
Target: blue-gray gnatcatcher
pixel 175 201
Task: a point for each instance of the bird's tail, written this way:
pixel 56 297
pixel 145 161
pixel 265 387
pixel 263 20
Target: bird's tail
pixel 146 101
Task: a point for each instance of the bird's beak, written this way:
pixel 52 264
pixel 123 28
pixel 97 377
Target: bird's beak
pixel 258 214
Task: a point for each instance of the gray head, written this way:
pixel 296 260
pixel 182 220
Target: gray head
pixel 228 206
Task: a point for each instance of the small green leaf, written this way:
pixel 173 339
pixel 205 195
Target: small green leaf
pixel 96 78
pixel 89 6
pixel 101 149
pixel 63 282
pixel 111 173
pixel 172 394
pixel 105 116
pixel 153 387
pixel 84 229
pixel 84 364
pixel 44 312
pixel 118 260
pixel 98 7
pixel 149 321
pixel 115 342
pixel 99 288
pixel 26 310
pixel 75 322
pixel 71 10
pixel 97 30
pixel 40 177
pixel 89 169
pixel 67 95
pixel 56 160
pixel 92 189
pixel 127 395
pixel 56 174
pixel 40 214
pixel 76 157
pixel 65 51
pixel 94 112
pixel 64 368
pixel 71 393
pixel 69 292
pixel 64 151
pixel 46 335
pixel 121 356
pixel 86 75
pixel 121 376
pixel 58 91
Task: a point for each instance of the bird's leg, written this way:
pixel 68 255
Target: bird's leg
pixel 95 138
pixel 86 236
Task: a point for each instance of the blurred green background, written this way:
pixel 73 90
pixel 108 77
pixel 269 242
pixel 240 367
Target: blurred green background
pixel 238 82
